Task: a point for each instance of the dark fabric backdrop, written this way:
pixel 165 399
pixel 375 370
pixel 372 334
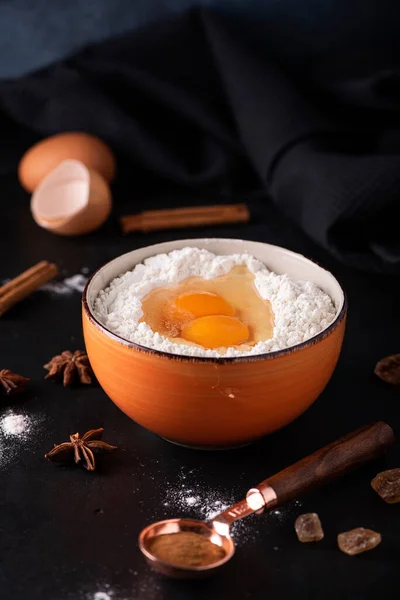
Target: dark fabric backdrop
pixel 198 103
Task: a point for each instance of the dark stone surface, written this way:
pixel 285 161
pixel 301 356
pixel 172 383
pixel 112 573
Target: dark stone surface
pixel 66 534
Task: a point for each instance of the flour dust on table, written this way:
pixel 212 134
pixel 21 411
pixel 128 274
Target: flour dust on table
pixel 195 303
pixel 69 285
pixel 141 584
pixel 186 497
pixel 105 592
pixel 16 427
pixel 103 595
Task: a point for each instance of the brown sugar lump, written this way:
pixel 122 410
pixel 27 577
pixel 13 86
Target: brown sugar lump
pixel 358 540
pixel 308 528
pixel 387 485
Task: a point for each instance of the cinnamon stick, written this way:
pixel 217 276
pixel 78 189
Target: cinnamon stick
pixel 179 218
pixel 22 286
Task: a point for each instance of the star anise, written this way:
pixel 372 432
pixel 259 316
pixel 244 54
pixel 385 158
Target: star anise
pixel 11 382
pixel 68 366
pixel 80 449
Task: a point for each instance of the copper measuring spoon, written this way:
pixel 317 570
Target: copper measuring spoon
pixel 339 457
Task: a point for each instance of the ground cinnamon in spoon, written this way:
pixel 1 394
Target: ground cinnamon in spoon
pixel 185 549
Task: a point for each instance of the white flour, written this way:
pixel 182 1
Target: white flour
pixel 103 596
pixel 186 497
pixel 75 283
pixel 66 287
pixel 16 431
pixel 206 503
pixel 301 309
pixel 13 425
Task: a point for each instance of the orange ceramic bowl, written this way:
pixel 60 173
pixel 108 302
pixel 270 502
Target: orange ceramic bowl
pixel 214 402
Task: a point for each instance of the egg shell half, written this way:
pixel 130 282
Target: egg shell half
pixel 72 200
pixel 47 154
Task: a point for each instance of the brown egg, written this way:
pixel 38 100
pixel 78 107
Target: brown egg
pixel 42 158
pixel 71 200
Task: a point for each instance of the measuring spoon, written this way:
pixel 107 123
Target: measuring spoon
pixel 328 463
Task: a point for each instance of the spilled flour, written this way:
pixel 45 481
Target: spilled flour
pixel 75 283
pixel 188 498
pixel 16 430
pixel 137 587
pixel 208 503
pixel 103 596
pixel 15 425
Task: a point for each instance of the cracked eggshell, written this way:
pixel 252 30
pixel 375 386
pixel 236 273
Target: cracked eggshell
pixel 71 200
pixel 47 154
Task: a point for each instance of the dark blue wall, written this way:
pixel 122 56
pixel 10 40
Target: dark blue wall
pixel 35 33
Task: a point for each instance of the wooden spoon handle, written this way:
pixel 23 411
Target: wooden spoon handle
pixel 346 453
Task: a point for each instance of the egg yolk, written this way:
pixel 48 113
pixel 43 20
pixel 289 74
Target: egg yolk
pixel 215 331
pixel 222 312
pixel 203 304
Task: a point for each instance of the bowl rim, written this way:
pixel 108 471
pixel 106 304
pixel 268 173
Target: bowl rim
pixel 213 359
